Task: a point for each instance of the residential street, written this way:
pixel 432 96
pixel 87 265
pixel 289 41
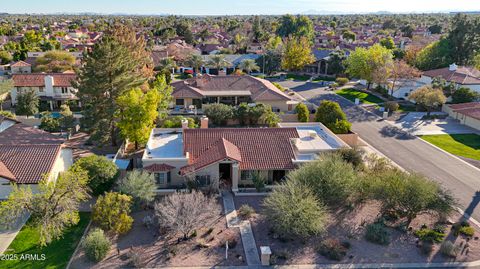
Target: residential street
pixel 407 151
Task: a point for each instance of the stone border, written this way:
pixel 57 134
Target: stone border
pixel 79 244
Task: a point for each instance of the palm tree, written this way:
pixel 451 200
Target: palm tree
pixel 195 61
pixel 248 65
pixel 218 62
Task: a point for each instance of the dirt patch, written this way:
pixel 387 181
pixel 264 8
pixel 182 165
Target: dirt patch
pixel 350 227
pixel 159 250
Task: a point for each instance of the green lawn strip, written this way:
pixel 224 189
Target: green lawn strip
pixel 57 253
pixel 465 145
pixel 297 77
pixel 407 108
pixel 364 97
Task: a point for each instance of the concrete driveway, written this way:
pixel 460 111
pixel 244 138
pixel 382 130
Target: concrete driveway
pixel 415 125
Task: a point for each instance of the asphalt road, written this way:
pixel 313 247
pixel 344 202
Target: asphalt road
pixel 406 150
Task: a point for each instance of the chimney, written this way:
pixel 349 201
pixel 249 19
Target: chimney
pixel 204 122
pixel 49 82
pixel 452 67
pixel 184 124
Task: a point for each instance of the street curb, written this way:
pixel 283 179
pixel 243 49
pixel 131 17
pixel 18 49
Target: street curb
pixel 448 153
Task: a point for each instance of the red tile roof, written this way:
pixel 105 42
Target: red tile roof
pixel 260 89
pixel 158 168
pixel 462 75
pixel 468 109
pixel 27 154
pixel 220 150
pixel 254 148
pixel 38 80
pixel 20 64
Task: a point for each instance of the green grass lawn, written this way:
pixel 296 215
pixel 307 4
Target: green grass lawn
pixel 406 108
pixel 297 77
pixel 365 98
pixel 465 145
pixel 57 253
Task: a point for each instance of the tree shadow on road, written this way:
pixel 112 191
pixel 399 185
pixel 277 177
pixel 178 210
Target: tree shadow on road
pixel 395 132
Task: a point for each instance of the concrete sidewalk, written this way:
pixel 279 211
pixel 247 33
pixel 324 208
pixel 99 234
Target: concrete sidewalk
pixel 8 235
pixel 248 240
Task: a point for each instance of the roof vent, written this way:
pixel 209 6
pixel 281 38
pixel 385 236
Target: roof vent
pixel 453 67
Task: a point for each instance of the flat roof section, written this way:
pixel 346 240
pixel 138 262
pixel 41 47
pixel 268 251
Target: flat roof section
pixel 165 144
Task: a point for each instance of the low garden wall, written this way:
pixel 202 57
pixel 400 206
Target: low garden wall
pixel 351 139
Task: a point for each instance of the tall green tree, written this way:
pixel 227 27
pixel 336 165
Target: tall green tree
pixel 464 38
pixel 429 97
pixel 218 62
pixel 372 64
pixel 196 62
pixel 164 95
pixel 108 72
pixel 300 26
pixel 137 114
pixel 248 65
pixel 297 54
pixel 27 103
pixel 53 208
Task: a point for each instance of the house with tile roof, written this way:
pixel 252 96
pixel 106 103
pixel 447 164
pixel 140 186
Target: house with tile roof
pixel 230 90
pixel 460 76
pixel 231 156
pixel 53 88
pixel 21 67
pixel 28 155
pixel 466 113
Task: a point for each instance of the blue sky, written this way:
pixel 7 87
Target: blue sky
pixel 232 7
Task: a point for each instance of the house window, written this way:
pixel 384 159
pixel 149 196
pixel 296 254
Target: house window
pixel 160 178
pixel 64 90
pixel 246 175
pixel 180 102
pixel 41 89
pixel 203 180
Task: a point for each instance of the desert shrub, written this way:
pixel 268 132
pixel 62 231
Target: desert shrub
pixel 332 116
pixel 341 81
pixel 463 228
pixel 333 249
pixel 245 211
pixel 49 123
pixel 294 211
pixel 464 95
pixel 111 212
pixel 409 194
pixel 231 241
pixel 429 235
pixel 140 185
pixel 352 156
pixel 96 245
pixel 330 178
pixel 136 260
pixel 258 181
pixel 391 106
pixel 102 172
pixel 341 127
pixel 303 115
pixel 377 233
pixel 448 249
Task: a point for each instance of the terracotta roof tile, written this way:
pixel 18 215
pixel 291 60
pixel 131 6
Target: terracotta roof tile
pixel 261 89
pixel 38 79
pixel 158 168
pixel 462 75
pixel 20 64
pixel 27 153
pixel 254 148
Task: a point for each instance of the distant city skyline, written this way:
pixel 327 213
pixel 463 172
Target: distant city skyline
pixel 240 7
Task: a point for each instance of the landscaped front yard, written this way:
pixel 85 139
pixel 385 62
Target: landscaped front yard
pixel 364 97
pixel 27 253
pixel 465 145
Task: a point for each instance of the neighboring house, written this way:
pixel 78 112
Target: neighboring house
pixel 28 155
pixel 320 66
pixel 232 60
pixel 255 48
pixel 53 88
pixel 466 113
pixel 21 67
pixel 461 76
pixel 231 156
pixel 403 88
pixel 230 90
